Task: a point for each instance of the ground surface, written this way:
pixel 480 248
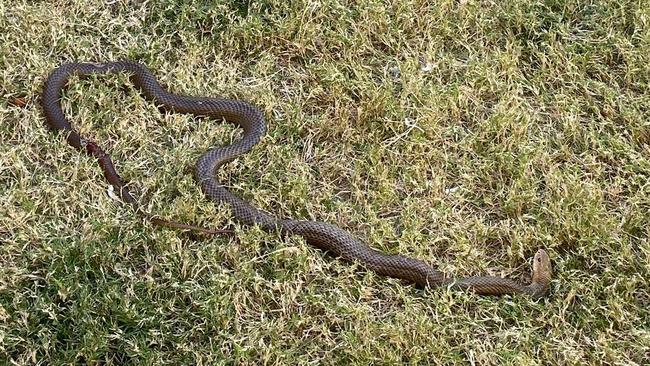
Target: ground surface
pixel 466 133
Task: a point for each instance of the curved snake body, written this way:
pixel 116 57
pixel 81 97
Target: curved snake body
pixel 322 235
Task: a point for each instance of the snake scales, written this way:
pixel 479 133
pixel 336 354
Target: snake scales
pixel 322 235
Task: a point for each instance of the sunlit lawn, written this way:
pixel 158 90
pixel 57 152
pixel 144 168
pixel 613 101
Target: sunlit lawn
pixel 465 133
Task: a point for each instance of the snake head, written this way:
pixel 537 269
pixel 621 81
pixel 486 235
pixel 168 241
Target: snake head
pixel 542 272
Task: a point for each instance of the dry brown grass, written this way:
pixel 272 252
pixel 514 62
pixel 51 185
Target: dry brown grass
pixel 466 133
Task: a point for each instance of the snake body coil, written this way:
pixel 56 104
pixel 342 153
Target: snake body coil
pixel 322 235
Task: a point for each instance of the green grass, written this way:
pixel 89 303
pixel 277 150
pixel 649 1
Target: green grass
pixel 465 133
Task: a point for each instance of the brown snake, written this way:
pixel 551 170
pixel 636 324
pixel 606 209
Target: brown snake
pixel 322 235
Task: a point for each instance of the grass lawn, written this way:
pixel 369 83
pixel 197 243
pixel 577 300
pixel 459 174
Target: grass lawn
pixel 465 133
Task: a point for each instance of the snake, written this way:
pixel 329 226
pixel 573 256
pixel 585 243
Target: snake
pixel 327 237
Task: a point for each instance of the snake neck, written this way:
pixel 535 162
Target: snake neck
pixel 536 290
pixel 540 284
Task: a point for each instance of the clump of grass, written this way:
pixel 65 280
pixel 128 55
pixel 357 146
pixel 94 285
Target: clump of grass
pixel 467 133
